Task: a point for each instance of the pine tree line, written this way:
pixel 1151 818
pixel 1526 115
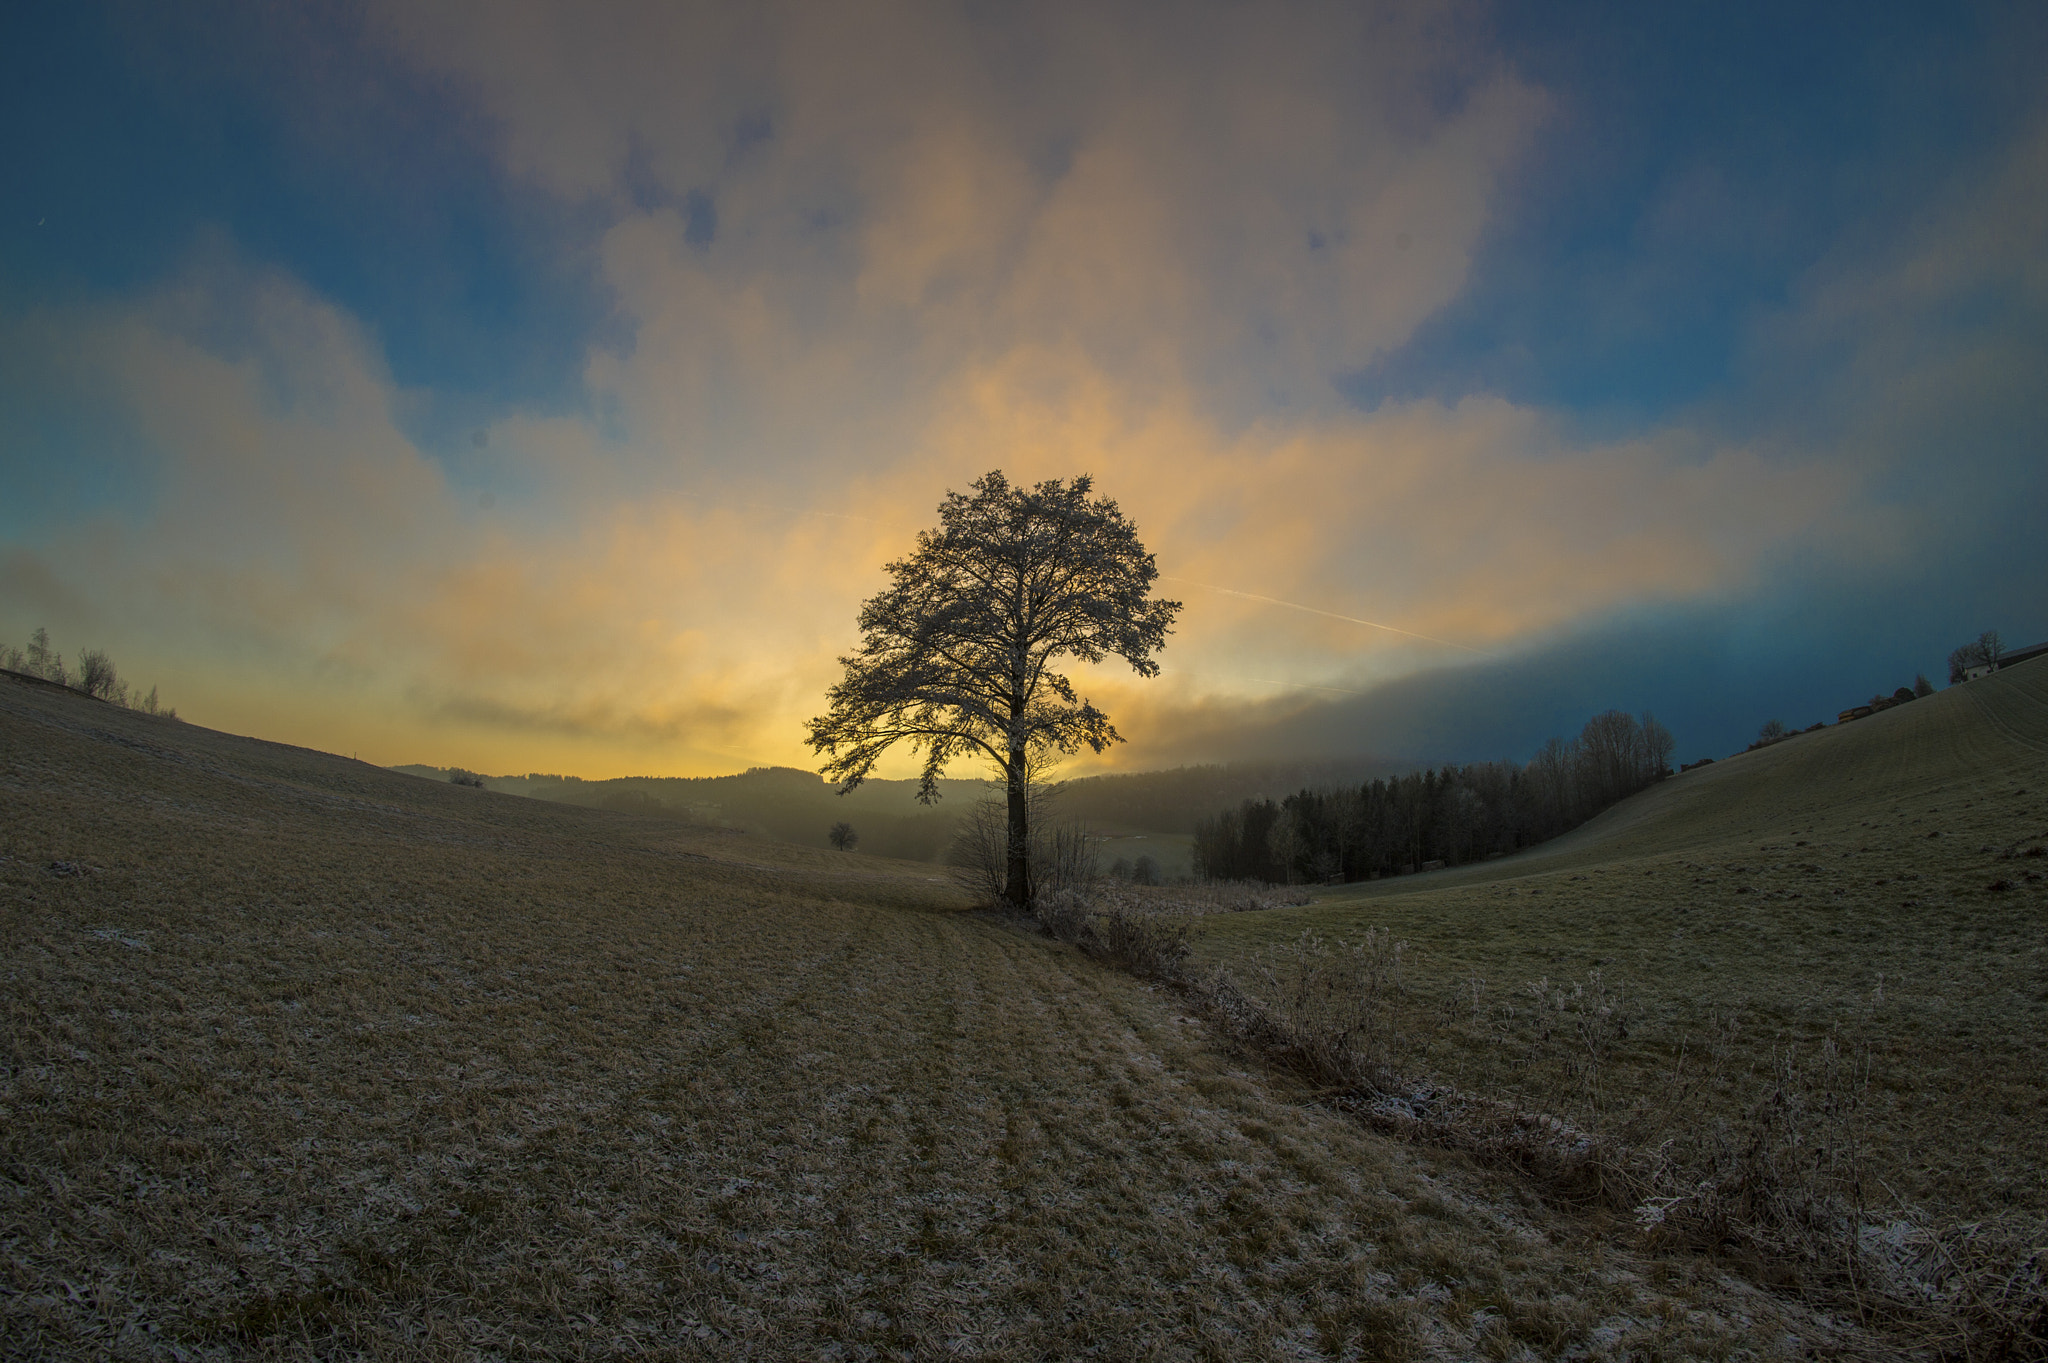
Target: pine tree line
pixel 1447 816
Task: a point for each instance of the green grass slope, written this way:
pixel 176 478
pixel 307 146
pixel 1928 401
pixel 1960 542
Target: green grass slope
pixel 1881 887
pixel 299 1058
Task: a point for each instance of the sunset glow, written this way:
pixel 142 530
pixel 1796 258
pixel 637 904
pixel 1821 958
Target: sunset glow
pixel 538 388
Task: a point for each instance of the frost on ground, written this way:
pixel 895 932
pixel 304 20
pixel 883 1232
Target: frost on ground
pixel 321 1060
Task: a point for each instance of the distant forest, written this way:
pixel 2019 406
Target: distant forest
pixel 799 806
pixel 1448 816
pixel 1346 818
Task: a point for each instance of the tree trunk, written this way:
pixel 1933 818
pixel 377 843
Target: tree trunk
pixel 1018 888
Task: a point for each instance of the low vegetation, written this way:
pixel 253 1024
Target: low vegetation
pixel 1786 1008
pixel 307 1059
pixel 96 675
pixel 304 1058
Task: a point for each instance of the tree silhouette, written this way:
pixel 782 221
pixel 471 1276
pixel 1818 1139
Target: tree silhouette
pixel 957 653
pixel 1983 651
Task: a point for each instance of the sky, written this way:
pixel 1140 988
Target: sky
pixel 542 387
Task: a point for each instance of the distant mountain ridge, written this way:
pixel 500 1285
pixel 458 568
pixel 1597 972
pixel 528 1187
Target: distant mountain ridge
pixel 794 805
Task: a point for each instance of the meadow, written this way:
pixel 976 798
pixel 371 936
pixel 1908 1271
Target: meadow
pixel 303 1058
pixel 1848 925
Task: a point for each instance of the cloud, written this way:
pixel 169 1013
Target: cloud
pixel 301 540
pixel 1252 199
pixel 855 258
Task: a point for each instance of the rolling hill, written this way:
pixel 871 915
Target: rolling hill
pixel 1876 891
pixel 305 1058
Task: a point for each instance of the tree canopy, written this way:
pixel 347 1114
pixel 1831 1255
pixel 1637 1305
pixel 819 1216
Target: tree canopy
pixel 958 654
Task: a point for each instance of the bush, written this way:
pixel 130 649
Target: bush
pixel 462 776
pixel 1063 858
pixel 1152 947
pixel 96 676
pixel 1062 853
pixel 1328 1007
pixel 978 855
pixel 1063 916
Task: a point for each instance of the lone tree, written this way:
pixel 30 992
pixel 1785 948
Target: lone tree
pixel 957 653
pixel 843 837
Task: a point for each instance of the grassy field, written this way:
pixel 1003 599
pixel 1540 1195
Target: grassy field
pixel 302 1058
pixel 1870 898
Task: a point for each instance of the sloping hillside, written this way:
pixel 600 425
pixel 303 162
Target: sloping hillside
pixel 304 1058
pixel 1876 891
pixel 1964 743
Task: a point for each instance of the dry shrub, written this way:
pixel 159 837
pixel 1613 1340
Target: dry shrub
pixel 1785 1177
pixel 1787 1181
pixel 979 856
pixel 1120 928
pixel 1582 1022
pixel 1330 1006
pixel 1062 854
pixel 1986 1282
pixel 1062 857
pixel 1150 946
pixel 1063 915
pixel 1782 1181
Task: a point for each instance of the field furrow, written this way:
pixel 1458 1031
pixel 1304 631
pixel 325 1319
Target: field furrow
pixel 305 1059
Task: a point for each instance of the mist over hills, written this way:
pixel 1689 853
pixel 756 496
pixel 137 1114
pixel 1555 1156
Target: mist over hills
pixel 793 805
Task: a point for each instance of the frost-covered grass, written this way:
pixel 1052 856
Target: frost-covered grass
pixel 1790 1004
pixel 1837 886
pixel 301 1058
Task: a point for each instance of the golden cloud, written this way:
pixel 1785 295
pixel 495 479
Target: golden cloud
pixel 932 267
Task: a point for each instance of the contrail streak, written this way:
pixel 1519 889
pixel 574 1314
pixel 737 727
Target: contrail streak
pixel 1267 681
pixel 1332 615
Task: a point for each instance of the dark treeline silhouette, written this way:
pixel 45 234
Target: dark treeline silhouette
pixel 1446 816
pixel 1175 800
